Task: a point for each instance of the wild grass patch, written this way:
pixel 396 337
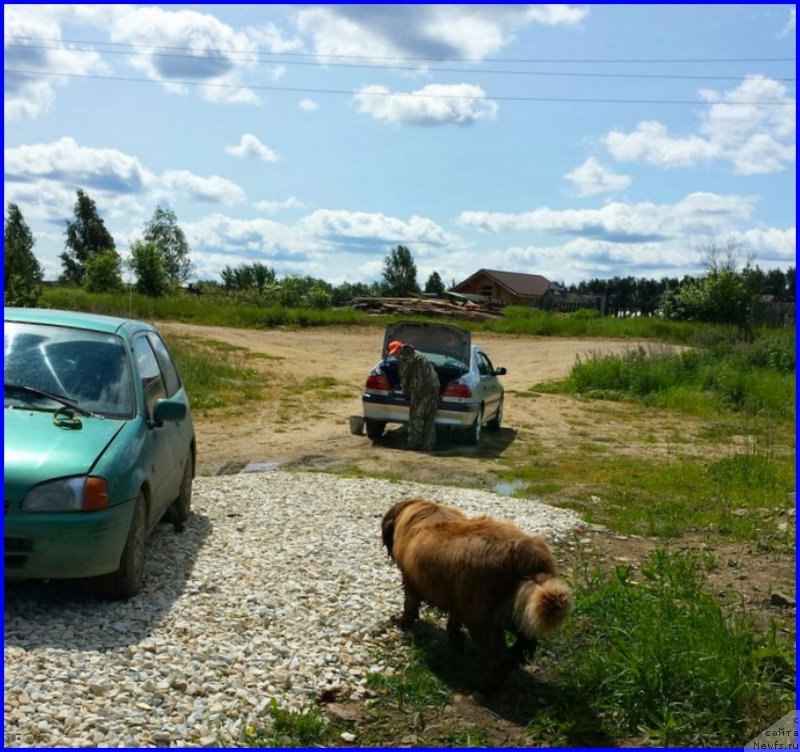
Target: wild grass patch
pixel 216 374
pixel 655 654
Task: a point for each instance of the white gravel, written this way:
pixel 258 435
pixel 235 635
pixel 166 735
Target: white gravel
pixel 278 588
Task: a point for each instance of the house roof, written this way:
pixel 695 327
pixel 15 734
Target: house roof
pixel 515 282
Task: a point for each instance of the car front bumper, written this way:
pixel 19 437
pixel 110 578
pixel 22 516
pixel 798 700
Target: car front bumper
pixel 393 408
pixel 63 545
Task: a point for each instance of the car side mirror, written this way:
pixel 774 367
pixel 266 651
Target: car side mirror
pixel 500 371
pixel 168 410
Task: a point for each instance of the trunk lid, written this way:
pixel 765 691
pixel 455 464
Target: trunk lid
pixel 442 339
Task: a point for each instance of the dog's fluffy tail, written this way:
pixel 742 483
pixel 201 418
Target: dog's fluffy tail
pixel 539 608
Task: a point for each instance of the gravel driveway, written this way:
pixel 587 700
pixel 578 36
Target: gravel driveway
pixel 278 588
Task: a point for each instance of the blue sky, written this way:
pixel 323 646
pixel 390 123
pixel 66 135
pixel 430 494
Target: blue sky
pixel 316 138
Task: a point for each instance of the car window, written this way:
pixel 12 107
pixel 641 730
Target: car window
pixel 484 367
pixel 149 373
pixel 90 368
pixel 488 363
pixel 168 370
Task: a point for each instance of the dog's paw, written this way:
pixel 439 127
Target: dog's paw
pixel 404 622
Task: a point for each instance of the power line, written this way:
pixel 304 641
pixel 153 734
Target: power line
pixel 256 58
pixel 351 92
pixel 340 56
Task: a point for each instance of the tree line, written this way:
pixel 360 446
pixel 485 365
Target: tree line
pixel 160 261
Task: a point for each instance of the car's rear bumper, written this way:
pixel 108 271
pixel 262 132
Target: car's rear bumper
pixel 393 408
pixel 64 544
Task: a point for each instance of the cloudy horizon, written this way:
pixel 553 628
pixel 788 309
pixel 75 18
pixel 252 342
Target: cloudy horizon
pixel 555 140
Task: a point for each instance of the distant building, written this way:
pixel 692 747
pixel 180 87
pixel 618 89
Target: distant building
pixel 516 288
pixel 508 288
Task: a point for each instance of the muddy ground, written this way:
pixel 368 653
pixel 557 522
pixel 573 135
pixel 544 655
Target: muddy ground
pixel 303 424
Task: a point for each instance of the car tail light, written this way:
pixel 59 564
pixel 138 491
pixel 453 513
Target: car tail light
pixel 378 381
pixel 454 389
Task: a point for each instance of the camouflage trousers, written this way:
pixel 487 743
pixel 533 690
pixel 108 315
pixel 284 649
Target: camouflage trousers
pixel 422 414
pixel 421 385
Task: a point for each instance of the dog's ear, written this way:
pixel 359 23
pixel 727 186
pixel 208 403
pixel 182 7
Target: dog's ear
pixel 390 521
pixel 387 528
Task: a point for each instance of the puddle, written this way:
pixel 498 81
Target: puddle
pixel 508 487
pixel 260 467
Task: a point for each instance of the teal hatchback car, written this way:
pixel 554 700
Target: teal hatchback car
pixel 99 446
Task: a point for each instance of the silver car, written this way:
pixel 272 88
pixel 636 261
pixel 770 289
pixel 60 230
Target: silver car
pixel 471 395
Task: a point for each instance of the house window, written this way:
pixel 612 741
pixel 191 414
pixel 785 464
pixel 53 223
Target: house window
pixel 486 290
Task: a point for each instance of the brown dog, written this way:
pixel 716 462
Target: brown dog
pixel 488 575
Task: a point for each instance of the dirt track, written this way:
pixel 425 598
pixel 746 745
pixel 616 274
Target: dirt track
pixel 309 427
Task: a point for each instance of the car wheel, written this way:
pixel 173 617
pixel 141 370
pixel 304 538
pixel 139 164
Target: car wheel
pixel 474 431
pixel 375 428
pixel 178 512
pixel 495 423
pixel 127 580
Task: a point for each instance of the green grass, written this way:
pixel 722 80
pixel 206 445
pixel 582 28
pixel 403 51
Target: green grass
pixel 756 378
pixel 656 655
pixel 285 728
pixel 738 496
pixel 215 373
pixel 228 310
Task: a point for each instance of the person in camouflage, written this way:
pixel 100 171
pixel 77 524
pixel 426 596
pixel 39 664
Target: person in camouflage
pixel 421 384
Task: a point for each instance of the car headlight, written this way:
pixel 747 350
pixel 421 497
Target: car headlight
pixel 80 493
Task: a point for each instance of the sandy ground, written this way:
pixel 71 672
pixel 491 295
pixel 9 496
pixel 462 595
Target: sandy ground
pixel 310 428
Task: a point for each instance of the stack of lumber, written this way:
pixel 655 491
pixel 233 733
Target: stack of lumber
pixel 424 306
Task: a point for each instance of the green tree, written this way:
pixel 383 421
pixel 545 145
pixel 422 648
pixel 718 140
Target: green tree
pixel 86 235
pixel 166 235
pixel 400 272
pixel 22 273
pixel 263 276
pixel 103 272
pixel 147 263
pixel 435 284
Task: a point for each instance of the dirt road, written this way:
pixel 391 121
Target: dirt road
pixel 304 420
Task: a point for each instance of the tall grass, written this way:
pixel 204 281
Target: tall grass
pixel 211 310
pixel 756 378
pixel 214 374
pixel 657 654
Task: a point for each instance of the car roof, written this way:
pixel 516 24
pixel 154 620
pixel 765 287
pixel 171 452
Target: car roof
pixel 75 319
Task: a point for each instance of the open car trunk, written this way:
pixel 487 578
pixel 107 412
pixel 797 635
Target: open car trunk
pixel 447 347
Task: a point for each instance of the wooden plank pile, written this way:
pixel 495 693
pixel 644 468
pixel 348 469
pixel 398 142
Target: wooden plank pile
pixel 457 308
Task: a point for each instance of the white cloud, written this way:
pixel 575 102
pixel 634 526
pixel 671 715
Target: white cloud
pixel 213 189
pixel 66 162
pixel 250 146
pixel 431 31
pixel 211 51
pixel 26 96
pixel 698 213
pixel 591 178
pixel 272 207
pixel 309 105
pixel 789 29
pixel 341 226
pixel 435 104
pixel 743 126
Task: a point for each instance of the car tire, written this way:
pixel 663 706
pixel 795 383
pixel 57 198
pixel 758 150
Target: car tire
pixel 180 509
pixel 375 428
pixel 495 423
pixel 475 430
pixel 127 580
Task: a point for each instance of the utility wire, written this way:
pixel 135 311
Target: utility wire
pixel 15 37
pixel 260 59
pixel 350 92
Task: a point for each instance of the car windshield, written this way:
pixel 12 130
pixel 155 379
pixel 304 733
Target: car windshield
pixel 84 368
